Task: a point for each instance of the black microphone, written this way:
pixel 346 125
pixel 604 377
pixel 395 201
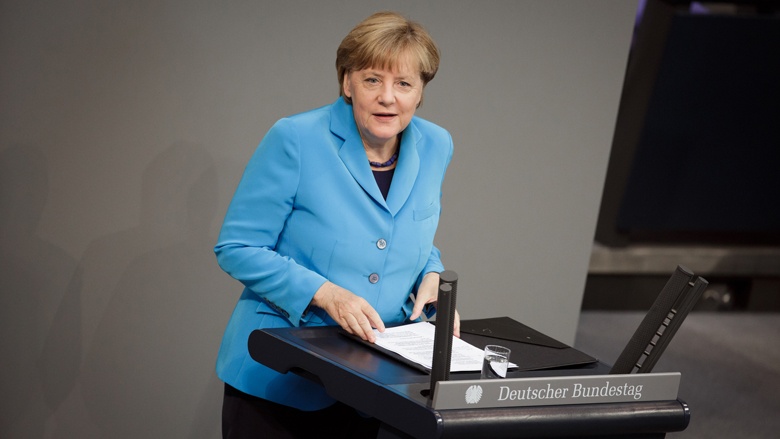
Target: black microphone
pixel 445 321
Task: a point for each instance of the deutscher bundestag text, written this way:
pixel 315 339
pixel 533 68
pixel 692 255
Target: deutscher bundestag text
pixel 577 390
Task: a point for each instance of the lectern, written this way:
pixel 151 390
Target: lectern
pixel 394 392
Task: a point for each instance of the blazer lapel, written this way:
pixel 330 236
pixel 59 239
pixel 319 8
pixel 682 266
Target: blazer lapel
pixel 342 124
pixel 406 170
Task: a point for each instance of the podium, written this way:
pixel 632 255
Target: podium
pixel 393 392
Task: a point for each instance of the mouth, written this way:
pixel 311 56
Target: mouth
pixel 384 116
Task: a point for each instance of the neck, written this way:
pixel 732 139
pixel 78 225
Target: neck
pixel 382 153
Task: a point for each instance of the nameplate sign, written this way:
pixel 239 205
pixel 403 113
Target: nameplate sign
pixel 539 391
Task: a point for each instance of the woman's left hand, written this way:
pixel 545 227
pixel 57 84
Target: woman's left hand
pixel 429 293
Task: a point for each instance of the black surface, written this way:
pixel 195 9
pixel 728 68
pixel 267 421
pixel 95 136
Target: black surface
pixel 530 357
pixel 507 328
pixel 392 392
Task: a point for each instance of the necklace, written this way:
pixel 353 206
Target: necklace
pixel 385 164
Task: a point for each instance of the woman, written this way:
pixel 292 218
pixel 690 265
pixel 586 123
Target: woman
pixel 333 224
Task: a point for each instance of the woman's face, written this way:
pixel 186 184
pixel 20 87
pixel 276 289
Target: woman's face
pixel 383 101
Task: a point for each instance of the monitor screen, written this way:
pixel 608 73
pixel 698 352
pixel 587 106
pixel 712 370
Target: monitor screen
pixel 696 152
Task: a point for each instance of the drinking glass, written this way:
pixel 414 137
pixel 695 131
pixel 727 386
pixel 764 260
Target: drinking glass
pixel 495 362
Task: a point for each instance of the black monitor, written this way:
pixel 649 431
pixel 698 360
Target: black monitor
pixel 696 151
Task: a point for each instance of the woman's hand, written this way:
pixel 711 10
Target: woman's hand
pixel 429 293
pixel 349 310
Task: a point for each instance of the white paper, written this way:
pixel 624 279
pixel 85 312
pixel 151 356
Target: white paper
pixel 415 342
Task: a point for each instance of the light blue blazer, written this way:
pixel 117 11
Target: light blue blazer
pixel 307 210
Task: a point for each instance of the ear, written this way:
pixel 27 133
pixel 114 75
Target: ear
pixel 346 85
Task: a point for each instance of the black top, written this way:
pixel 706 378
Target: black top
pixel 383 179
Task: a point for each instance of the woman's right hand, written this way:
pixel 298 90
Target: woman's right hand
pixel 349 310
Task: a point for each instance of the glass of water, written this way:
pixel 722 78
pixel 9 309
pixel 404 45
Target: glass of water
pixel 495 362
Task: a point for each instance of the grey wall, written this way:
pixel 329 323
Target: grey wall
pixel 125 126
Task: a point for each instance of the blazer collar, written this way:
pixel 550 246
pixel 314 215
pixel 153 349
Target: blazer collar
pixel 354 157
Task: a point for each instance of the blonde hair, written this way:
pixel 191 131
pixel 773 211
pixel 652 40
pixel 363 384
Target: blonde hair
pixel 381 41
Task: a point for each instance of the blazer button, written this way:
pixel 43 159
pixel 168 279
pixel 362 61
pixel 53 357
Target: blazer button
pixel 373 278
pixel 381 244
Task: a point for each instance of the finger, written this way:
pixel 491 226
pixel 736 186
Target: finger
pixel 359 324
pixel 360 327
pixel 376 320
pixel 417 309
pixel 419 304
pixel 366 330
pixel 346 324
pixel 456 325
pixel 373 320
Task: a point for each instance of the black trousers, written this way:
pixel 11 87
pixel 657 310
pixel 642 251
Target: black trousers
pixel 247 416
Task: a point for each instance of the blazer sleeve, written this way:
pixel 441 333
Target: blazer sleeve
pixel 254 220
pixel 434 263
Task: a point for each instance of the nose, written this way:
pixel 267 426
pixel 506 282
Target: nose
pixel 387 94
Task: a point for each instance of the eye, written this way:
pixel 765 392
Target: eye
pixel 405 86
pixel 372 80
